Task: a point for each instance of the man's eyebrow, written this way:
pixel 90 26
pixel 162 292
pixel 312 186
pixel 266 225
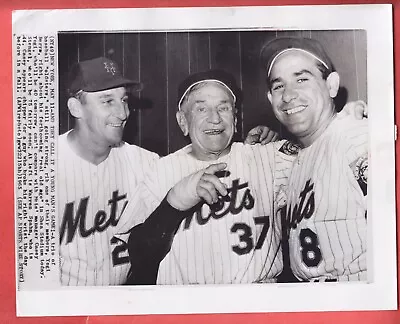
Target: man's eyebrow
pixel 199 101
pixel 222 101
pixel 110 95
pixel 105 96
pixel 275 80
pixel 304 71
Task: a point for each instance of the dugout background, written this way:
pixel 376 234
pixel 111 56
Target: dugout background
pixel 161 60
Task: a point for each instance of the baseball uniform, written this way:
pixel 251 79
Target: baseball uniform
pixel 327 206
pixel 91 203
pixel 237 240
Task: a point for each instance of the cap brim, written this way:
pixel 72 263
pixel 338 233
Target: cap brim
pixel 285 50
pixel 201 81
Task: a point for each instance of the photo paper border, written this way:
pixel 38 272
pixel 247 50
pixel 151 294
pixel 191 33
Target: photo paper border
pixel 380 293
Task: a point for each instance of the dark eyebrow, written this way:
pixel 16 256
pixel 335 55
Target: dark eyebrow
pixel 111 96
pixel 199 101
pixel 105 96
pixel 225 101
pixel 275 80
pixel 304 71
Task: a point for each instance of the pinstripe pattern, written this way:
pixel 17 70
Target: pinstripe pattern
pixel 203 250
pixel 338 217
pixel 88 260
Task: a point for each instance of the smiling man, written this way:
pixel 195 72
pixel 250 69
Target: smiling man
pixel 235 239
pixel 97 175
pixel 326 211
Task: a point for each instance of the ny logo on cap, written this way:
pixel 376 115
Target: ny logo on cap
pixel 110 68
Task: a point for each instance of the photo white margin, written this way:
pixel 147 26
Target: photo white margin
pixel 379 294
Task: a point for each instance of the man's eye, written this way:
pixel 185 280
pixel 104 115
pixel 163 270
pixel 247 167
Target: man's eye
pixel 201 109
pixel 125 100
pixel 277 87
pixel 108 101
pixel 301 80
pixel 225 108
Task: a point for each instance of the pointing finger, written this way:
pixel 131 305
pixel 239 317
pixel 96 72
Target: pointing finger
pixel 215 167
pixel 216 183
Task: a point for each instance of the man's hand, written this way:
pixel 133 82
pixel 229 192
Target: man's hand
pixel 261 134
pixel 200 185
pixel 357 109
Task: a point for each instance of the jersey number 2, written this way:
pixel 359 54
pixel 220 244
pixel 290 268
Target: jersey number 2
pixel 121 248
pixel 246 236
pixel 310 251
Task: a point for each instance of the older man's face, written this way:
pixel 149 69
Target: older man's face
pixel 210 119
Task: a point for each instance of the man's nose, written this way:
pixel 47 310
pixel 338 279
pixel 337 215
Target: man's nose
pixel 122 110
pixel 289 94
pixel 214 116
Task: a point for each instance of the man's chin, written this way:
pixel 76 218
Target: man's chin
pixel 116 143
pixel 219 149
pixel 298 132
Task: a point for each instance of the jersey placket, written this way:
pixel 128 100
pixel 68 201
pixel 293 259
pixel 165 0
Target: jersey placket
pixel 96 172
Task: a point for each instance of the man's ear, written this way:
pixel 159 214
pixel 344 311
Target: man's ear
pixel 269 95
pixel 75 107
pixel 182 122
pixel 333 82
pixel 235 121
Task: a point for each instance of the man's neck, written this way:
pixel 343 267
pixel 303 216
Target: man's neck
pixel 198 154
pixel 86 148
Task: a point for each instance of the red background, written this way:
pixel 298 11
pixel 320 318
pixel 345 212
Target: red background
pixel 7 274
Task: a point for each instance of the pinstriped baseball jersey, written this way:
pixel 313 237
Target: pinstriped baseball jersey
pixel 327 207
pixel 234 241
pixel 91 203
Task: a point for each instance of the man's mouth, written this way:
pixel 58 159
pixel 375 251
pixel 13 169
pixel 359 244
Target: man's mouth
pixel 116 124
pixel 213 131
pixel 295 110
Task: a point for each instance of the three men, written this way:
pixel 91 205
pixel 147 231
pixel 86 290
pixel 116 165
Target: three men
pixel 235 238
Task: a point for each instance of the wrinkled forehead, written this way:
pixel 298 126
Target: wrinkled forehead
pixel 293 61
pixel 208 88
pixel 113 91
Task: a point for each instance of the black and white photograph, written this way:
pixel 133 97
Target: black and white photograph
pixel 185 164
pixel 237 237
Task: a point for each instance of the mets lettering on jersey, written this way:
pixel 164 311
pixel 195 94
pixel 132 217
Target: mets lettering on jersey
pixel 236 240
pixel 92 204
pixel 101 221
pixel 327 207
pixel 229 205
pixel 225 205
